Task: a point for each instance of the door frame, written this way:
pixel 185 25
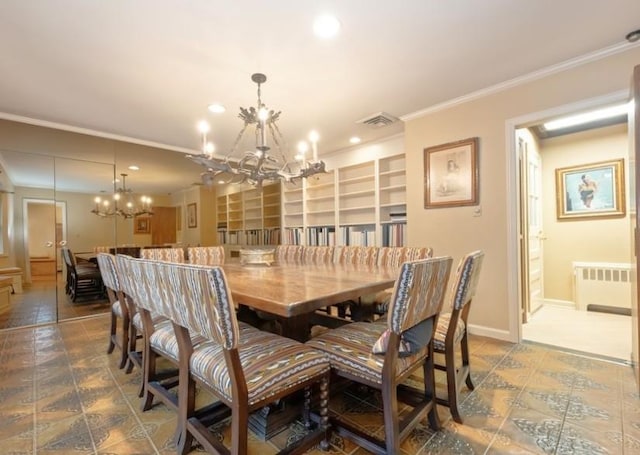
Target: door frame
pixel 514 292
pixel 25 227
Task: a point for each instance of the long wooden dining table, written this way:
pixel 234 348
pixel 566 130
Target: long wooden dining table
pixel 293 292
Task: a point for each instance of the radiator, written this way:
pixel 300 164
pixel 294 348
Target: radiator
pixel 602 284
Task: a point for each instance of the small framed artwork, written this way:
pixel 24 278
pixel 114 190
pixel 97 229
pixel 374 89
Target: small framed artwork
pixel 192 215
pixel 591 190
pixel 451 174
pixel 142 225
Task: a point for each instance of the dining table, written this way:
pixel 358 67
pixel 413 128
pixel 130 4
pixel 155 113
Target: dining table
pixel 293 292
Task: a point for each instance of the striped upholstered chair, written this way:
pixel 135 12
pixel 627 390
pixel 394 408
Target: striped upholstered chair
pixel 402 345
pixel 371 305
pixel 244 369
pixel 289 254
pixel 156 330
pixel 451 332
pixel 119 309
pixel 318 255
pixel 163 254
pixel 205 255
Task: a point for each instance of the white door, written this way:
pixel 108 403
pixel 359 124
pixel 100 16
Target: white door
pixel 534 223
pixel 531 236
pixel 634 171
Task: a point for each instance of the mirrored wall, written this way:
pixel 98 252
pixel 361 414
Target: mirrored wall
pixel 43 212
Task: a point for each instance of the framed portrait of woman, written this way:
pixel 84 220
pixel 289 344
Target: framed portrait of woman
pixel 451 174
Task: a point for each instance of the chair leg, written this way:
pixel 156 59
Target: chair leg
pixel 391 426
pixel 112 332
pixel 133 337
pixel 452 384
pixel 125 341
pixel 148 372
pixel 464 349
pixel 429 374
pixel 324 412
pixel 239 418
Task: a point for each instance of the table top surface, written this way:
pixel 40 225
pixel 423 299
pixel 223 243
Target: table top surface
pixel 293 290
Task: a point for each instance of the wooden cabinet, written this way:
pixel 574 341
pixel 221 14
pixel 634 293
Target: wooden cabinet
pixel 358 204
pixel 249 217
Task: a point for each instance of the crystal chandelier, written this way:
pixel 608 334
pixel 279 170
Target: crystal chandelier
pixel 257 166
pixel 123 204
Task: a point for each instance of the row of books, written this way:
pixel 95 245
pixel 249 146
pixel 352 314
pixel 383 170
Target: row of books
pixel 358 235
pixel 394 234
pixel 321 236
pixel 250 237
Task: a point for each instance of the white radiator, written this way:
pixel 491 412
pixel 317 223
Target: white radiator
pixel 602 283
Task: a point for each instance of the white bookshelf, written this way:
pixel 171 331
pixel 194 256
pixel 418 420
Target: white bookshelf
pixel 355 204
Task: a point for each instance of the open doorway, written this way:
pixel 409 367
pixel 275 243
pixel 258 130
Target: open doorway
pixel 574 242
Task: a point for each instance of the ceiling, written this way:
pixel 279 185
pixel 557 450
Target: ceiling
pixel 146 70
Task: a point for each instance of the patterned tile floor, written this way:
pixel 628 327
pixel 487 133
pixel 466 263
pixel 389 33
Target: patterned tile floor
pixel 60 393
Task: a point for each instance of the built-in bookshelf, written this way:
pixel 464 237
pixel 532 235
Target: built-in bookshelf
pixel 249 217
pixel 358 204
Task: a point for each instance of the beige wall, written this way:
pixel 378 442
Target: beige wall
pixel 455 231
pixel 588 240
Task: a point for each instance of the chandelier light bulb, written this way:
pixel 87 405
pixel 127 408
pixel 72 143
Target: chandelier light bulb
pixel 326 26
pixel 116 196
pixel 97 200
pixel 263 114
pixel 105 203
pixel 209 148
pixel 314 136
pixel 203 127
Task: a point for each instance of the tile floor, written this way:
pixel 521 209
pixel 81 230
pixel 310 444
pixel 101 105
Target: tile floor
pixel 60 393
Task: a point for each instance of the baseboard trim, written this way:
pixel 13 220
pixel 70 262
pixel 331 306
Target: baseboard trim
pixel 561 303
pixel 490 332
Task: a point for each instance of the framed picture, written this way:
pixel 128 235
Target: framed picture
pixel 591 190
pixel 142 225
pixel 451 174
pixel 192 215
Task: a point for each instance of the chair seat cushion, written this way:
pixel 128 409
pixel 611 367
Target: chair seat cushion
pixel 349 349
pixel 272 364
pixel 137 321
pixel 441 331
pixel 116 308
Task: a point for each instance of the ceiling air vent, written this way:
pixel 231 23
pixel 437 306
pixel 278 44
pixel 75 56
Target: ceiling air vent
pixel 378 120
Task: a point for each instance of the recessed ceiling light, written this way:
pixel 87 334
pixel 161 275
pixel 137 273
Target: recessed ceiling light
pixel 326 26
pixel 600 114
pixel 217 108
pixel 133 167
pixel 355 140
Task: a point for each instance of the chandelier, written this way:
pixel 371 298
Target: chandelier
pixel 257 166
pixel 123 204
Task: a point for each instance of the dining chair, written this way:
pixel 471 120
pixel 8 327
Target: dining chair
pixel 401 346
pixel 289 254
pixel 119 309
pixel 157 335
pixel 163 254
pixel 369 306
pixel 82 280
pixel 245 370
pixel 206 255
pixel 451 331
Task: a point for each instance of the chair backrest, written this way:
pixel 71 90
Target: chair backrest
pixel 163 254
pixel 131 279
pixel 69 259
pixel 202 301
pixel 107 265
pixel 355 255
pixel 466 282
pixel 101 249
pixel 418 293
pixel 206 255
pixel 318 255
pixel 395 256
pixel 289 254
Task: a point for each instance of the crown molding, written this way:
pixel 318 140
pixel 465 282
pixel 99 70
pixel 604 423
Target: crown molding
pixel 90 132
pixel 533 76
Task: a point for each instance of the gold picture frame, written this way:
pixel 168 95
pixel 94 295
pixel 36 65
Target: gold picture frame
pixel 594 190
pixel 192 215
pixel 142 225
pixel 451 174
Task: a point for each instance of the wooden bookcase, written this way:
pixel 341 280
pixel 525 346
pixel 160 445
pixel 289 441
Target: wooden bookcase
pixel 250 217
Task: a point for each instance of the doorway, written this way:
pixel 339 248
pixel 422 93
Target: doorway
pixel 551 246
